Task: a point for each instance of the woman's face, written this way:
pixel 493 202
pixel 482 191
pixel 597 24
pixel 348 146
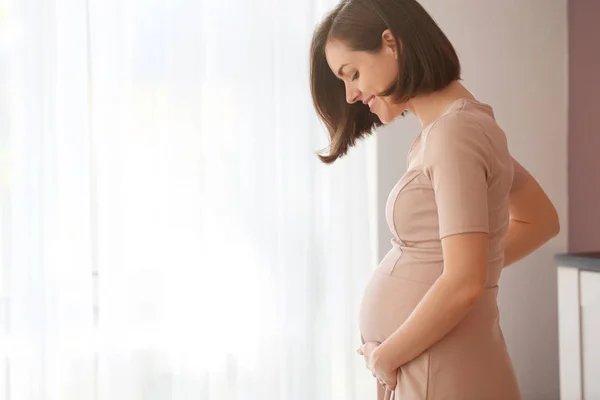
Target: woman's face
pixel 367 74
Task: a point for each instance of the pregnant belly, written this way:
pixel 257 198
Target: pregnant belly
pixel 387 302
pixel 396 287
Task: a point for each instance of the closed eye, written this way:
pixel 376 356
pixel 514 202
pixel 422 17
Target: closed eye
pixel 355 76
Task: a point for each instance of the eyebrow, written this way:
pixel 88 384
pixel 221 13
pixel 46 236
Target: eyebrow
pixel 340 72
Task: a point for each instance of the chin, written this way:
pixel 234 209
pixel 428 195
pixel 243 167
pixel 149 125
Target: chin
pixel 385 119
pixel 389 117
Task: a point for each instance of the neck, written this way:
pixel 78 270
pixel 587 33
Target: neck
pixel 428 107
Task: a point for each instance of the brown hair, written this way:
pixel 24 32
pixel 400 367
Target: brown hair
pixel 427 63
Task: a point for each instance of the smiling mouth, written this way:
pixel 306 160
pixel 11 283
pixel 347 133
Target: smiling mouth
pixel 370 102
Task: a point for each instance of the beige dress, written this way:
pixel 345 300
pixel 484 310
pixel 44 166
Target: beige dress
pixel 458 180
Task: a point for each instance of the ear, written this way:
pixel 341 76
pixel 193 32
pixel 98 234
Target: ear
pixel 389 42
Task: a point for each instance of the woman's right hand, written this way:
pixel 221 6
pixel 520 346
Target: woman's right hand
pixel 386 378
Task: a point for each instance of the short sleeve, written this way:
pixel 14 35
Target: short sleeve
pixel 520 176
pixel 457 160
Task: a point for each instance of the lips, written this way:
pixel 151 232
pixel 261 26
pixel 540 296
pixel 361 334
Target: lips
pixel 370 101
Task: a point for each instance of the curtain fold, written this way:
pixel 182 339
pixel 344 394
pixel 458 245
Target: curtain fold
pixel 166 229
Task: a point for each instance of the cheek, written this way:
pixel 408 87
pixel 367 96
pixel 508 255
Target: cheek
pixel 366 85
pixel 386 74
pixel 373 81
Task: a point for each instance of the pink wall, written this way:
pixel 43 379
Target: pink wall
pixel 584 125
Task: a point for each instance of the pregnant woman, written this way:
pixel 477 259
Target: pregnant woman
pixel 463 211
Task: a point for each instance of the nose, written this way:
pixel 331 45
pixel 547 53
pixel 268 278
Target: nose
pixel 352 94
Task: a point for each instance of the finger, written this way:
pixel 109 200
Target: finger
pixel 365 349
pixel 360 350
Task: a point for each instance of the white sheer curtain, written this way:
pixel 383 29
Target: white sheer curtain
pixel 166 231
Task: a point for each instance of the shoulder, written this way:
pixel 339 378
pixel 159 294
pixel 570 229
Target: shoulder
pixel 457 135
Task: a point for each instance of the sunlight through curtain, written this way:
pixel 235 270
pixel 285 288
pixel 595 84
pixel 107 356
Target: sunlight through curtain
pixel 166 230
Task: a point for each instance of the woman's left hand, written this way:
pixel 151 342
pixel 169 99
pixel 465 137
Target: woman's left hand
pixel 386 377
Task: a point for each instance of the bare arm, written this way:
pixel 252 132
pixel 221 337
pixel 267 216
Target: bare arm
pixel 445 304
pixel 533 218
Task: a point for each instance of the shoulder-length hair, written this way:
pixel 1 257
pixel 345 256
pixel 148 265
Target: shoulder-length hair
pixel 427 62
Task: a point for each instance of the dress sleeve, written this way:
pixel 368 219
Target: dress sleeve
pixel 457 160
pixel 520 176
